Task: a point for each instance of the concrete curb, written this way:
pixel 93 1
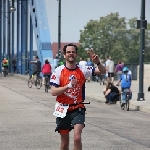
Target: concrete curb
pixel 132 106
pixel 135 107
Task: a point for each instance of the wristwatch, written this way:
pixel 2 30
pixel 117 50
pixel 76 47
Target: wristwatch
pixel 98 63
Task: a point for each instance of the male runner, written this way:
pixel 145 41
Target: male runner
pixel 68 84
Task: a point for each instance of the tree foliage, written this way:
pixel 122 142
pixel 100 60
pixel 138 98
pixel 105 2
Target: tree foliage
pixel 114 36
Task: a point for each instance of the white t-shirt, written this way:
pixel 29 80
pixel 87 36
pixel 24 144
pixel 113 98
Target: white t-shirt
pixel 83 63
pixel 110 66
pixel 107 62
pixel 106 65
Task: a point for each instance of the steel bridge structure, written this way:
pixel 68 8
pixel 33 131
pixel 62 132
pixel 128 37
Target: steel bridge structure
pixel 20 20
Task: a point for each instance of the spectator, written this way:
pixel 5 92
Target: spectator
pixel 111 92
pixel 101 77
pixel 110 69
pixel 106 64
pixel 82 62
pixel 118 69
pixel 89 62
pixel 14 62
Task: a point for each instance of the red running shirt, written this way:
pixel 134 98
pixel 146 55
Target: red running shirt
pixel 62 76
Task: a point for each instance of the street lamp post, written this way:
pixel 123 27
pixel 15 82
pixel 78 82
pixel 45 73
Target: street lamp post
pixel 9 39
pixel 12 31
pixel 0 37
pixel 4 29
pixel 18 35
pixel 59 31
pixel 142 25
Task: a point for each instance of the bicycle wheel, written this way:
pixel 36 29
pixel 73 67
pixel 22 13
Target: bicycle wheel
pixel 46 88
pixel 122 105
pixel 46 84
pixel 38 83
pixel 127 105
pixel 30 83
pixel 5 72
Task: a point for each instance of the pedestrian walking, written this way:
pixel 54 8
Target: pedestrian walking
pixel 14 62
pixel 118 69
pixel 110 69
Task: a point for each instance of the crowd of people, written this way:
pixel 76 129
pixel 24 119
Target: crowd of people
pixel 124 76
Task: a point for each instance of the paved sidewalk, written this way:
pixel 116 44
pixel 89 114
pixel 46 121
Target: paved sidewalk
pixel 95 90
pixel 27 122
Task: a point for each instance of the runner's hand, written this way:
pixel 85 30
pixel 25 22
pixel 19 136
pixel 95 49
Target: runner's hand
pixel 93 56
pixel 74 82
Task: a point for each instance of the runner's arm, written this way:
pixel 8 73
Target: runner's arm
pixel 100 69
pixel 55 91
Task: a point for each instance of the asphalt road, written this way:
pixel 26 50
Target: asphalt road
pixel 27 123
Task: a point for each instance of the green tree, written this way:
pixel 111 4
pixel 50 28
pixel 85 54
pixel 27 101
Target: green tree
pixel 112 35
pixel 101 36
pixel 81 53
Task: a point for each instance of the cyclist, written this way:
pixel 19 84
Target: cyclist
pixel 68 84
pixel 125 80
pixel 46 70
pixel 5 65
pixel 37 67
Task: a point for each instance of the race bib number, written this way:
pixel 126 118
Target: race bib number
pixel 60 110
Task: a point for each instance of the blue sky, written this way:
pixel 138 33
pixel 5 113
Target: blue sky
pixel 76 13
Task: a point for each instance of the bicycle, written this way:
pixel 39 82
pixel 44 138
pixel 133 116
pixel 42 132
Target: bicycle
pixel 37 81
pixel 5 71
pixel 125 103
pixel 47 85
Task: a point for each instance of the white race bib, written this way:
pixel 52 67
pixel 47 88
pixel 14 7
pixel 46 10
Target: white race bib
pixel 60 110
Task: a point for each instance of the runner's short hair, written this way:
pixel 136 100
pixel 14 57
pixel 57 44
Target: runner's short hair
pixel 70 44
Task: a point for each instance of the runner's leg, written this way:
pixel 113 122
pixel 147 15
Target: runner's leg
pixel 64 141
pixel 77 136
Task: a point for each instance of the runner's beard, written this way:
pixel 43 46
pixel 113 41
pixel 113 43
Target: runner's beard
pixel 71 60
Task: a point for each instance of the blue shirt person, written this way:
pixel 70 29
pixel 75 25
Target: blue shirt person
pixel 125 80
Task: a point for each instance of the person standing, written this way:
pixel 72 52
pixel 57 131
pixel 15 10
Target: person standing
pixel 110 69
pixel 89 63
pixel 82 62
pixel 106 64
pixel 14 62
pixel 68 84
pixel 118 69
